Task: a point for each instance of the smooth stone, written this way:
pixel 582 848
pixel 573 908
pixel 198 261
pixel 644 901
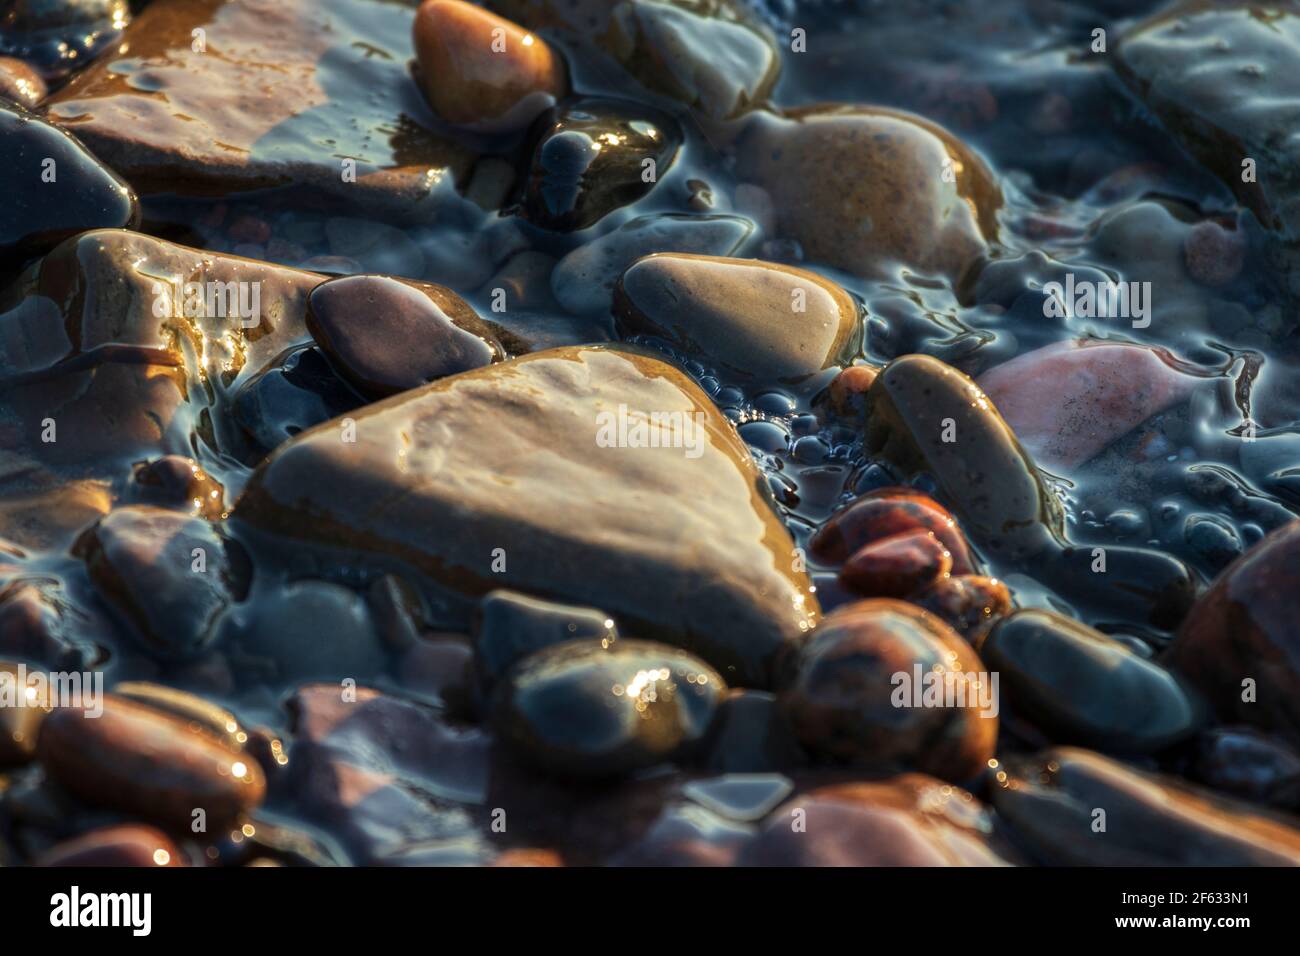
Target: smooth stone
pixel 1082 687
pixel 864 188
pixel 1220 79
pixel 588 158
pixel 481 70
pixel 1068 401
pixel 897 566
pixel 126 844
pixel 968 603
pixel 100 341
pixel 1243 628
pixel 149 764
pixel 593 709
pixel 882 514
pixel 310 630
pixel 685 550
pixel 1050 802
pixel 753 320
pixel 296 392
pixel 984 473
pixel 387 775
pixel 38 214
pixel 909 820
pixel 510 626
pixel 718 66
pixel 20 84
pixel 1134 584
pixel 388 335
pixel 60 36
pixel 583 281
pixel 212 717
pixel 715 57
pixel 276 95
pixel 174 481
pixel 168 577
pixel 1248 765
pixel 843 697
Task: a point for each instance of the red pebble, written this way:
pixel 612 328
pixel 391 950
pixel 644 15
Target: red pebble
pixel 882 514
pixel 898 565
pixel 969 604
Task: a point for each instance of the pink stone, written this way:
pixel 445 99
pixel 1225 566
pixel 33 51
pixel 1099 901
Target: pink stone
pixel 1068 401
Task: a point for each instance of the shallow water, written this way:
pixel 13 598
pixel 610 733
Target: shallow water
pixel 1092 185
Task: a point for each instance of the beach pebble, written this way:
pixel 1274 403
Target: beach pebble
pixel 591 709
pixel 481 70
pixel 852 695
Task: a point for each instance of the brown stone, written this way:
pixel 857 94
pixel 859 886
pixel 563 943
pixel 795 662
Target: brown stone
pixel 866 189
pixel 753 320
pixel 280 90
pixel 1244 628
pixel 144 762
pixel 481 70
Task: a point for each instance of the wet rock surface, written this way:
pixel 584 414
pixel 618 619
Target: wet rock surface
pixel 141 761
pixel 1087 688
pixel 750 319
pixel 1192 64
pixel 20 84
pixel 862 188
pixel 1067 402
pixel 61 189
pixel 386 335
pixel 482 70
pixel 931 305
pixel 858 692
pixel 167 576
pixel 1050 800
pixel 583 281
pixel 601 708
pixel 591 157
pixel 58 36
pixel 927 416
pixel 734 598
pixel 282 95
pixel 1238 644
pixel 909 820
